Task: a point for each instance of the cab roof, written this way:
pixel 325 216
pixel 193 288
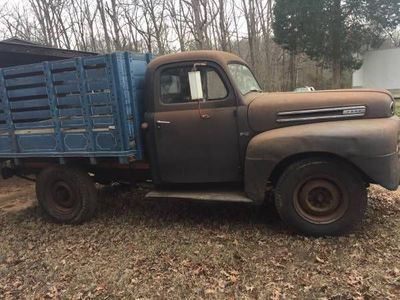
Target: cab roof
pixel 223 58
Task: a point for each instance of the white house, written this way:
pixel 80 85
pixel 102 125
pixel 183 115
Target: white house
pixel 381 69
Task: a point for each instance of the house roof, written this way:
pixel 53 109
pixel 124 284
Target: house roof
pixel 16 51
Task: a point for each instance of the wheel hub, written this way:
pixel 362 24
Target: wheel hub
pixel 62 195
pixel 320 201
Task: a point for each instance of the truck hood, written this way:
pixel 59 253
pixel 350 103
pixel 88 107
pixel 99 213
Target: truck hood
pixel 273 110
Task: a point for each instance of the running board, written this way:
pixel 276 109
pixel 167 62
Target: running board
pixel 223 196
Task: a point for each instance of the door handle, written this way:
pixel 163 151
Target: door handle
pixel 162 122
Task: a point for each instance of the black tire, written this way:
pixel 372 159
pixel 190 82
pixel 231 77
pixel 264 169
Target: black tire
pixel 66 195
pixel 320 197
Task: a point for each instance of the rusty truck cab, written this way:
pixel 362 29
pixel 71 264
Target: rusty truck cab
pixel 195 141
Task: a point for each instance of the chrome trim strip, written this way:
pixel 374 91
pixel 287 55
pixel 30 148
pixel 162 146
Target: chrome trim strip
pixel 163 122
pixel 320 118
pixel 320 110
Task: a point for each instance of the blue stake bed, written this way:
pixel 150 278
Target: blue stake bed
pixel 83 107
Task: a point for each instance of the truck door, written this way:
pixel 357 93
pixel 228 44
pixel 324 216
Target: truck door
pixel 195 141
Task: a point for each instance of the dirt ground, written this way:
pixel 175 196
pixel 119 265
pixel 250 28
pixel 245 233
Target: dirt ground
pixel 137 248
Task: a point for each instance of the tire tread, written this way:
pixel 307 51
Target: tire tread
pixel 84 185
pixel 357 183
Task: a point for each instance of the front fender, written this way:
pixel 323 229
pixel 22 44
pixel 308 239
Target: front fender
pixel 369 144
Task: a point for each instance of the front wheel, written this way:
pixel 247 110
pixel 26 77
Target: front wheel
pixel 321 197
pixel 66 195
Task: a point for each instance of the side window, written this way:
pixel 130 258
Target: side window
pixel 175 86
pixel 215 86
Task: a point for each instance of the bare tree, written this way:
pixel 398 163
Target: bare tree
pixel 163 26
pixel 198 24
pixel 112 10
pixel 104 23
pixel 155 9
pixel 178 24
pixel 222 26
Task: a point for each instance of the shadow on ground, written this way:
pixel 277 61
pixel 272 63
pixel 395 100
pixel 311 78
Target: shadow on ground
pixel 130 204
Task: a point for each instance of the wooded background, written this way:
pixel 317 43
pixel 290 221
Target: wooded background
pixel 244 27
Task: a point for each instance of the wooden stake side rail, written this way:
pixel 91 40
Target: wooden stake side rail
pixel 81 107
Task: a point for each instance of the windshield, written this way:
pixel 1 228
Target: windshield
pixel 244 79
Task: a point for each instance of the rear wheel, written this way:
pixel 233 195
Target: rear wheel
pixel 66 195
pixel 321 197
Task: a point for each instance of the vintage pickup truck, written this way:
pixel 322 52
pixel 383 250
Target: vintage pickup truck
pixel 197 125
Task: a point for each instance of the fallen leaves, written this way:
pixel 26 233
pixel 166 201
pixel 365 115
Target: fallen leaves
pixel 210 291
pixel 232 276
pixel 139 249
pixel 354 279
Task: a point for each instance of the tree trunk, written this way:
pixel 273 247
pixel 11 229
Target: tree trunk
pixel 235 22
pixel 102 12
pixel 249 14
pixel 113 13
pixel 317 77
pixel 336 24
pixel 283 81
pixel 292 71
pixel 198 26
pixel 336 73
pixel 224 43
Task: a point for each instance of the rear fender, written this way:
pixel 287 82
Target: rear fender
pixel 368 144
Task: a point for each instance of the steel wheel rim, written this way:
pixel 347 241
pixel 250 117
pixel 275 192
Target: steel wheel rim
pixel 63 197
pixel 320 200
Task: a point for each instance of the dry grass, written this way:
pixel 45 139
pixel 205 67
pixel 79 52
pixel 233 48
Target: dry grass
pixel 176 249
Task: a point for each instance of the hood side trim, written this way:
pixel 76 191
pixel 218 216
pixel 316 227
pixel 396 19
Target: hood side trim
pixel 322 114
pixel 319 110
